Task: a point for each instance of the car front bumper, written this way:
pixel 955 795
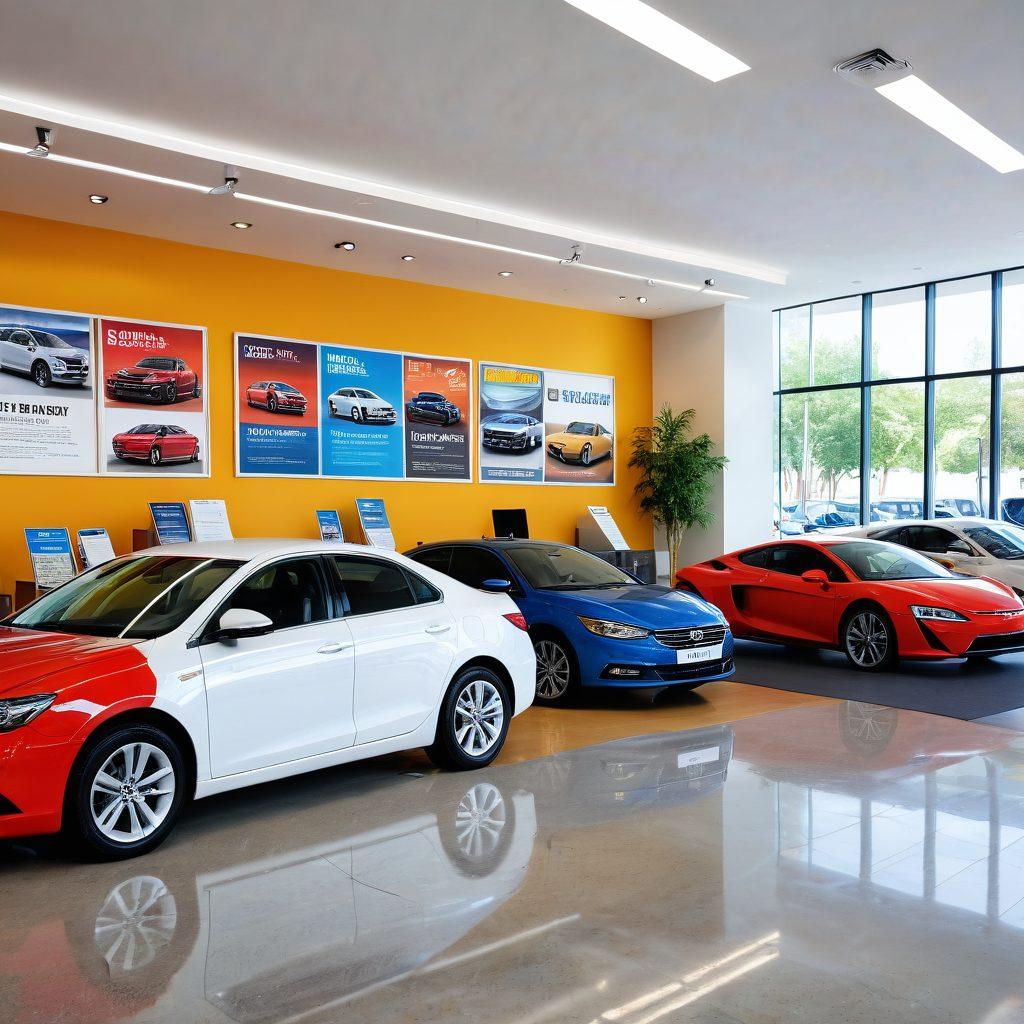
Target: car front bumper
pixel 505 442
pixel 129 390
pixel 72 375
pixel 981 636
pixel 33 776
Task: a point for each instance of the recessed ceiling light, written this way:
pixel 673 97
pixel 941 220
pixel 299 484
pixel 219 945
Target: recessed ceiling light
pixel 242 225
pixel 408 258
pixel 97 199
pixel 347 246
pixel 923 102
pixel 660 33
pixel 504 273
pixel 641 298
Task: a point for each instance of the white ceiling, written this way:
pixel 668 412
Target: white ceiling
pixel 537 113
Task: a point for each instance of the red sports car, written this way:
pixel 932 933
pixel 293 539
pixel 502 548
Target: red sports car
pixel 274 396
pixel 156 378
pixel 876 602
pixel 156 443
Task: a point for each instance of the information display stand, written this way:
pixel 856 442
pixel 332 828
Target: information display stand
pixel 598 533
pixel 373 520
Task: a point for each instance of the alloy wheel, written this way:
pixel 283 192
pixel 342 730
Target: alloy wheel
pixel 480 819
pixel 479 717
pixel 172 392
pixel 135 924
pixel 132 793
pixel 42 375
pixel 585 455
pixel 867 639
pixel 355 414
pixel 554 671
pixel 154 457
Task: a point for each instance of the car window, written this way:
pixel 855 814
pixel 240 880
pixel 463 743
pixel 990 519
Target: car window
pixel 436 558
pixel 870 560
pixel 373 585
pixel 289 593
pixel 474 565
pixel 895 536
pixel 560 567
pixel 757 558
pixel 424 592
pixel 796 559
pixel 932 539
pixel 1001 540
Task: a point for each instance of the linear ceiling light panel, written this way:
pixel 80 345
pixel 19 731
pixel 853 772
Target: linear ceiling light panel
pixel 660 33
pixel 921 100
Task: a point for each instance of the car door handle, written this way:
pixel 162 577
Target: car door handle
pixel 332 648
pixel 439 628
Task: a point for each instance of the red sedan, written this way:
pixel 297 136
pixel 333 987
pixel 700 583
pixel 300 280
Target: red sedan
pixel 275 396
pixel 876 602
pixel 156 443
pixel 157 378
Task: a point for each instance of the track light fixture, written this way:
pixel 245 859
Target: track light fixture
pixel 242 225
pixel 347 246
pixel 575 257
pixel 44 137
pixel 504 273
pixel 407 258
pixel 641 299
pixel 97 200
pixel 230 182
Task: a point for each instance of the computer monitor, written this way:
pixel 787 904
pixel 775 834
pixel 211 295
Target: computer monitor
pixel 510 522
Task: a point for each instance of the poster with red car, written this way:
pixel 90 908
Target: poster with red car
pixel 153 414
pixel 436 402
pixel 278 406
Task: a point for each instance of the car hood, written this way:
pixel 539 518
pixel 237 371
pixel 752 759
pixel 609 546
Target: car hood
pixel 37 662
pixel 142 373
pixel 134 437
pixel 574 441
pixel 648 605
pixel 973 594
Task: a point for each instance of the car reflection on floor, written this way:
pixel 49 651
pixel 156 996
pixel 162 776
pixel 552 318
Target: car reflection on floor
pixel 268 927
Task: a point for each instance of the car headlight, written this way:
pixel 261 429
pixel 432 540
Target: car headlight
pixel 59 364
pixel 19 711
pixel 924 611
pixel 615 630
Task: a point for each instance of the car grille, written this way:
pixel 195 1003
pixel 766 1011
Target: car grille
pixel 131 386
pixel 501 439
pixel 675 673
pixel 996 642
pixel 681 639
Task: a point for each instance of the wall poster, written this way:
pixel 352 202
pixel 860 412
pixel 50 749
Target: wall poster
pixel 153 415
pixel 550 426
pixel 47 397
pixel 277 406
pixel 316 409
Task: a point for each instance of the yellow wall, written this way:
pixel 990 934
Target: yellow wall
pixel 56 265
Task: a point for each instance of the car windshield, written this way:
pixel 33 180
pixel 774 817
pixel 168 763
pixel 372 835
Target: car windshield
pixel 363 393
pixel 145 428
pixel 429 396
pixel 580 428
pixel 516 421
pixel 136 598
pixel 876 561
pixel 154 363
pixel 1000 540
pixel 48 340
pixel 285 387
pixel 554 567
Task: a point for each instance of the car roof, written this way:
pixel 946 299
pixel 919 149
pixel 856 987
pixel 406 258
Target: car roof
pixel 255 548
pixel 958 521
pixel 489 542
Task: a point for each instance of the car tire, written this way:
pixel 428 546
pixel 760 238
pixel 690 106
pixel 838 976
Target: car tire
pixel 868 639
pixel 458 740
pixel 41 374
pixel 356 416
pixel 171 393
pixel 195 454
pixel 155 456
pixel 585 455
pixel 271 404
pixel 558 675
pixel 197 390
pixel 104 823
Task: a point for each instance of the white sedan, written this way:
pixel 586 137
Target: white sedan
pixel 193 669
pixel 361 405
pixel 972 546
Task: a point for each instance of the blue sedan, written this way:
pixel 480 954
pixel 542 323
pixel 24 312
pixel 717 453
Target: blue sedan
pixel 592 624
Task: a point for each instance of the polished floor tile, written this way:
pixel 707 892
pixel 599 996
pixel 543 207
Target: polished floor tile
pixel 832 862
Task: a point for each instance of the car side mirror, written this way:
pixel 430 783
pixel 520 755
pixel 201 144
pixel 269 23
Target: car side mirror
pixel 237 623
pixel 32 348
pixel 496 586
pixel 817 576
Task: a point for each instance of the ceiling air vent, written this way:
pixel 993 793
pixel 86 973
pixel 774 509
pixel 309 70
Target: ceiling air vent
pixel 874 68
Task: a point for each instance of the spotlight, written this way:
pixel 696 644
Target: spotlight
pixel 641 299
pixel 407 258
pixel 622 298
pixel 347 246
pixel 242 225
pixel 230 182
pixel 709 282
pixel 44 136
pixel 504 273
pixel 97 199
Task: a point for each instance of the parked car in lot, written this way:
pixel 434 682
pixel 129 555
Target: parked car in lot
pixel 592 624
pixel 580 442
pixel 876 602
pixel 511 431
pixel 361 405
pixel 156 443
pixel 156 378
pixel 972 546
pixel 42 356
pixel 192 669
pixel 1013 510
pixel 435 408
pixel 275 396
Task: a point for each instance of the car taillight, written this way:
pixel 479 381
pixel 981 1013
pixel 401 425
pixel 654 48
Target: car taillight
pixel 517 619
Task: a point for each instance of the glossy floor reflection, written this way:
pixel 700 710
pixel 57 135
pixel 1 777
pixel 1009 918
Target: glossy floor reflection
pixel 834 862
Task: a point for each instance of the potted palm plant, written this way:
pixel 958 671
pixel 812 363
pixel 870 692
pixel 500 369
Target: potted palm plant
pixel 677 474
